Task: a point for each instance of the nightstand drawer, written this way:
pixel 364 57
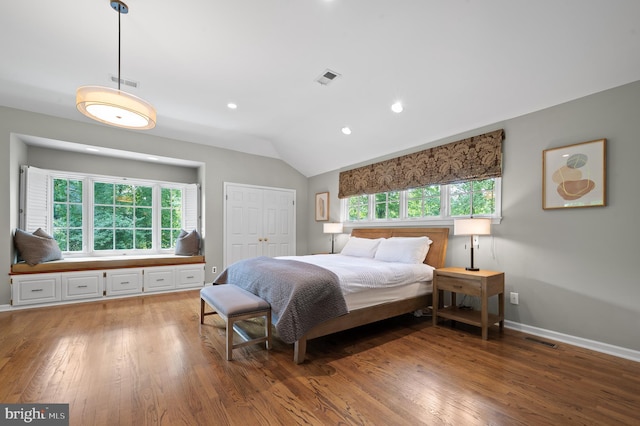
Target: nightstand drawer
pixel 459 285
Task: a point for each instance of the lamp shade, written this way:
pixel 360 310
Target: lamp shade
pixel 472 226
pixel 332 228
pixel 115 107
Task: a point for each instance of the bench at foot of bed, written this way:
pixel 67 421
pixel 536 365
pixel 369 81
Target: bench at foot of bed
pixel 235 304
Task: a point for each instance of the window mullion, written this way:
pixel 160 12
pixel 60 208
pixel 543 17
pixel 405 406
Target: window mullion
pixel 372 205
pixel 88 209
pixel 403 204
pixel 156 211
pixel 445 210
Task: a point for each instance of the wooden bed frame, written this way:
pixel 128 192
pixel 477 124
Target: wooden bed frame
pixel 436 258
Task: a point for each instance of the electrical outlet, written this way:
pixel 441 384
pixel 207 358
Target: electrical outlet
pixel 513 298
pixel 214 269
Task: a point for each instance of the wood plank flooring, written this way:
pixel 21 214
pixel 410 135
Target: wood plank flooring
pixel 148 361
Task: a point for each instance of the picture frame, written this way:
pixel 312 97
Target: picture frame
pixel 575 175
pixel 322 206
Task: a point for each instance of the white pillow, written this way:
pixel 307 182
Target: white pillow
pixel 361 247
pixel 403 249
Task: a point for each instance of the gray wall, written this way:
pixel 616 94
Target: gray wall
pixel 217 166
pixel 54 159
pixel 574 269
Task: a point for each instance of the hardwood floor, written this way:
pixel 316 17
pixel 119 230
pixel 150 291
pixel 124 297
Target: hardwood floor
pixel 147 360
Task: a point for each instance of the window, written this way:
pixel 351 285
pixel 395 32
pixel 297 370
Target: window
pixel 432 203
pixel 358 207
pixel 387 205
pixel 99 215
pixel 171 214
pixel 472 198
pixel 423 202
pixel 68 214
pixel 122 217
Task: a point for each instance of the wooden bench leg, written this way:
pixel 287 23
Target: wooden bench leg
pixel 229 339
pixel 267 331
pixel 202 311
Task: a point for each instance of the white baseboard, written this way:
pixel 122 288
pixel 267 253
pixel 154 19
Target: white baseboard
pixel 593 345
pixel 5 308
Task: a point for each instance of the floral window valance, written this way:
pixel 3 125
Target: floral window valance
pixel 478 157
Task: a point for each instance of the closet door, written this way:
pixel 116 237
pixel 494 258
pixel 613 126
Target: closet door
pixel 259 221
pixel 278 225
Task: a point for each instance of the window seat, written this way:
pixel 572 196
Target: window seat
pixel 109 262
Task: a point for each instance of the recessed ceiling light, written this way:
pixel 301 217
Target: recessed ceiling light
pixel 397 107
pixel 231 105
pixel 346 130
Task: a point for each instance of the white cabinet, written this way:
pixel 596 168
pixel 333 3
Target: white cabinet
pixel 82 285
pixel 35 288
pixel 123 281
pixel 160 278
pixel 57 287
pixel 190 276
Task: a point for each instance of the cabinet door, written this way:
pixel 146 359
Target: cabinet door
pixel 82 285
pixel 159 279
pixel 32 289
pixel 190 276
pixel 124 281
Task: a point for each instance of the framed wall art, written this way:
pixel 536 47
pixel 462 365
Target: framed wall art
pixel 574 175
pixel 322 206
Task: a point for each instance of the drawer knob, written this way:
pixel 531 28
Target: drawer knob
pixel 124 282
pixel 37 289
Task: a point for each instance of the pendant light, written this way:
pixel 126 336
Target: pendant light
pixel 113 106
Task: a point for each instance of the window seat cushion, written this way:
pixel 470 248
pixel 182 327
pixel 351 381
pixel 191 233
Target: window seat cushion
pixel 109 262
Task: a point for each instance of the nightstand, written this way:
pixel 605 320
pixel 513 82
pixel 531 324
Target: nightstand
pixel 483 284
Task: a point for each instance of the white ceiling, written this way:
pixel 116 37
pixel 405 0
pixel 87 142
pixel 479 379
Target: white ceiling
pixel 456 65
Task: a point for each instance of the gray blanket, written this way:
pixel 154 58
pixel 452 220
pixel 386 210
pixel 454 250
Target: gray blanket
pixel 301 295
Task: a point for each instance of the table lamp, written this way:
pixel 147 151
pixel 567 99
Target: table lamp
pixel 473 227
pixel 333 229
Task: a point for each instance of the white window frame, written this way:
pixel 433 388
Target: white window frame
pixel 445 218
pixel 36 207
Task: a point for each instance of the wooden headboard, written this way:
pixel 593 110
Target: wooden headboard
pixel 437 251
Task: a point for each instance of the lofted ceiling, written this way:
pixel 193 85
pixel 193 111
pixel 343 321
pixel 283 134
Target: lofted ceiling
pixel 456 65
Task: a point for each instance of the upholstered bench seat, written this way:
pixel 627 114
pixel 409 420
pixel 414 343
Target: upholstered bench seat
pixel 234 304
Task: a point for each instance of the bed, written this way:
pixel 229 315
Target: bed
pixel 386 304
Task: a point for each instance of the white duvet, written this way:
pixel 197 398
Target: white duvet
pixel 362 273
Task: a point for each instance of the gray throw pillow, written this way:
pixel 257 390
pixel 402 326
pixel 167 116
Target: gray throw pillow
pixel 37 247
pixel 188 243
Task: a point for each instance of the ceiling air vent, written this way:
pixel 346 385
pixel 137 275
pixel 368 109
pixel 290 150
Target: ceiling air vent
pixel 327 77
pixel 124 81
